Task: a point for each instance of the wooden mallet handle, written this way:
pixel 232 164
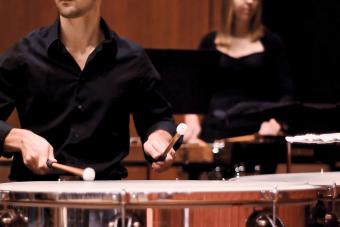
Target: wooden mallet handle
pixel 168 148
pixel 68 169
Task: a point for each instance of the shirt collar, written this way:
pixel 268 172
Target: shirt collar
pixel 53 35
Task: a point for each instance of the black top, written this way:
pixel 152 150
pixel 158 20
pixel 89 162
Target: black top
pixel 241 82
pixel 84 115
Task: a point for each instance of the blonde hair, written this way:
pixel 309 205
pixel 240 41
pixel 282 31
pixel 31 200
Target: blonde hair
pixel 227 26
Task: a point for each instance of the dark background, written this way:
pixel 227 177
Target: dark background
pixel 310 30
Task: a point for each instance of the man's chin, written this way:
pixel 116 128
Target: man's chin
pixel 70 15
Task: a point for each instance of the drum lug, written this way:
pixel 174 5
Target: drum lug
pixel 116 198
pixel 333 191
pixel 330 192
pixel 271 195
pixel 4 195
pixel 144 197
pixel 11 216
pixel 138 197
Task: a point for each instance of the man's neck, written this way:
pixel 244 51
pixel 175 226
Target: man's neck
pixel 81 36
pixel 81 33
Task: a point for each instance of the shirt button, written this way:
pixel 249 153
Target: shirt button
pixel 80 107
pixel 76 135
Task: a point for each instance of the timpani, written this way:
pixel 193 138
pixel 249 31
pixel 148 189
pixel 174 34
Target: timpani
pixel 328 198
pixel 164 203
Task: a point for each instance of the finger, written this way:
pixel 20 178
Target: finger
pixel 31 160
pixel 51 158
pixel 157 148
pixel 161 164
pixel 168 160
pixel 35 169
pixel 150 150
pixel 171 155
pixel 28 161
pixel 51 155
pixel 156 165
pixel 44 156
pixel 159 167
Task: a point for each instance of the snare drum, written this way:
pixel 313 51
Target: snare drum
pixel 164 203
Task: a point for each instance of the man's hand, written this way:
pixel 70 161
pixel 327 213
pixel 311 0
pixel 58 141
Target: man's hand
pixel 35 150
pixel 155 145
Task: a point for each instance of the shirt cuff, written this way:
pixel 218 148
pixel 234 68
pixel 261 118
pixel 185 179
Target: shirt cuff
pixel 4 130
pixel 168 126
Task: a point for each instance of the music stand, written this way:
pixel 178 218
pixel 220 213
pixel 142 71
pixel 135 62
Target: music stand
pixel 187 77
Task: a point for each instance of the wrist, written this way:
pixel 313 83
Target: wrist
pixel 13 140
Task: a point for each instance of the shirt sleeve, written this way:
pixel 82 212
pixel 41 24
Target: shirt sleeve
pixel 9 67
pixel 153 112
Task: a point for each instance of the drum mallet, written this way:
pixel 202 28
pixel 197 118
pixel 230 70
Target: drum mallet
pixel 88 174
pixel 180 131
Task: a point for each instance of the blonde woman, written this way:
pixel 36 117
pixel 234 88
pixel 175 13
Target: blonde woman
pixel 252 69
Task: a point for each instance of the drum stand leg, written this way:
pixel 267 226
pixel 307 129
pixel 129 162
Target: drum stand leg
pixel 60 217
pixel 186 217
pixel 123 214
pixel 274 212
pixel 64 216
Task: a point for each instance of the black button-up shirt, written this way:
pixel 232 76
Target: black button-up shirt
pixel 84 114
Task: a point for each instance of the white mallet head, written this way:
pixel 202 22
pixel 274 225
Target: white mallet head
pixel 89 174
pixel 181 129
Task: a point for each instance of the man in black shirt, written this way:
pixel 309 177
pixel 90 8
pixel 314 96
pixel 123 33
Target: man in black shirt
pixel 74 85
